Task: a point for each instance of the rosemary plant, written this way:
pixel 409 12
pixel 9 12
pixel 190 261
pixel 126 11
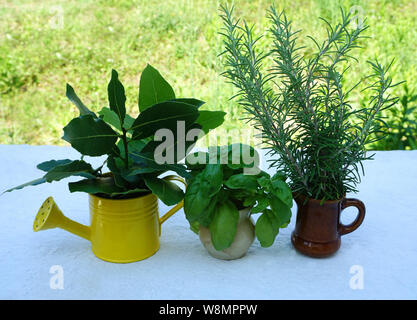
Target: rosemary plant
pixel 314 133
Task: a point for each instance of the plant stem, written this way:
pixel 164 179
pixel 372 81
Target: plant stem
pixel 124 138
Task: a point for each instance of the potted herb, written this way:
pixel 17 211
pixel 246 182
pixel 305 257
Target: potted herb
pixel 125 225
pixel 315 133
pixel 222 194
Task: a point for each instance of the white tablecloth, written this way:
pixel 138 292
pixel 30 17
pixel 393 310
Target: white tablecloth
pixel 383 250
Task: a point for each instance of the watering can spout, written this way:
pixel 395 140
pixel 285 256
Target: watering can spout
pixel 50 216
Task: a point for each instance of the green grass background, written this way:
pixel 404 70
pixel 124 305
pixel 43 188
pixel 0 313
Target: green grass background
pixel 44 44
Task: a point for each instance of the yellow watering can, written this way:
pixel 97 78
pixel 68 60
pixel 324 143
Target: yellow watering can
pixel 121 230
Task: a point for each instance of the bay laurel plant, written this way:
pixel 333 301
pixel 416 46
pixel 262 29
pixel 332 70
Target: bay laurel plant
pixel 225 183
pixel 315 134
pixel 129 145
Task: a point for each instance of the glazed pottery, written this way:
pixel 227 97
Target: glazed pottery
pixel 245 235
pixel 318 228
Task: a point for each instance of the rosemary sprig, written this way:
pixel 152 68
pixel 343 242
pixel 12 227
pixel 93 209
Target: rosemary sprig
pixel 314 133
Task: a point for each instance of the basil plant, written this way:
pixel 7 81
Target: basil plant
pixel 222 185
pixel 129 144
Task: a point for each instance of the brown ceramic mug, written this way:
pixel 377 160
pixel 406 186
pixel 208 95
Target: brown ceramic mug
pixel 318 227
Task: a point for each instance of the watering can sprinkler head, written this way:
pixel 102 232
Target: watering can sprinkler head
pixel 50 216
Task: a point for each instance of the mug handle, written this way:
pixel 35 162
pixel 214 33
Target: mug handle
pixel 345 229
pixel 177 207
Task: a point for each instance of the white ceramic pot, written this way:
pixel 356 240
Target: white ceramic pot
pixel 245 235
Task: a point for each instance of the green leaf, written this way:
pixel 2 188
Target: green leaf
pixel 282 191
pixel 262 204
pixel 173 149
pixel 49 165
pixel 199 160
pixel 195 201
pixel 146 160
pixel 249 201
pixel 237 156
pixel 72 96
pixel 104 185
pixel 110 117
pixel 278 176
pixel 132 146
pixel 281 211
pixel 134 170
pixel 116 165
pixel 167 191
pixel 243 194
pixel 163 116
pixel 201 190
pixel 128 122
pixel 153 89
pixel 224 225
pixel 265 230
pixel 117 98
pixel 207 217
pixel 194 102
pixel 74 168
pixel 211 179
pixel 90 136
pixel 140 191
pixel 195 227
pixel 265 183
pixel 27 184
pixel 94 186
pixel 242 181
pixel 238 159
pixel 210 119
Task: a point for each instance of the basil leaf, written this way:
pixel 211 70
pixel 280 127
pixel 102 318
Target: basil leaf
pixel 209 211
pixel 242 156
pixel 242 181
pixel 195 202
pixel 265 229
pixel 282 191
pixel 224 225
pixel 262 204
pixel 281 211
pixel 195 227
pixel 201 190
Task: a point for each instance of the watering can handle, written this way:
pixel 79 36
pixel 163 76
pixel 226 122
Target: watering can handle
pixel 177 206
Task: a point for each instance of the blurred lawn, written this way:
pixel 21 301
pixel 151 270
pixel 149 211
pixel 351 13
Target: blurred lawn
pixel 40 52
